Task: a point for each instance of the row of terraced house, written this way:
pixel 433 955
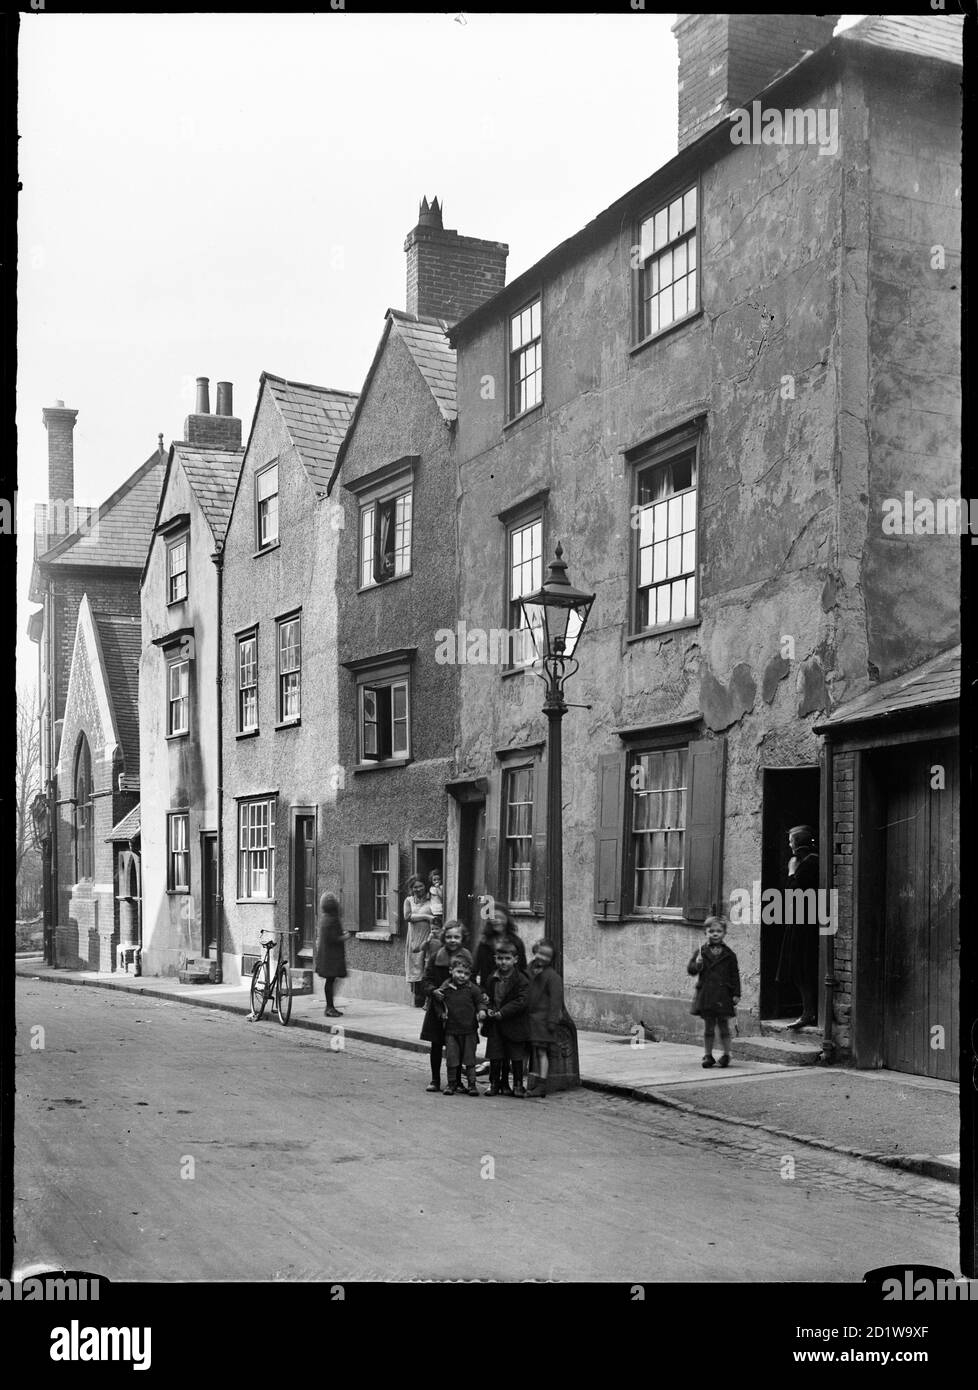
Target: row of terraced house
pixel 272 672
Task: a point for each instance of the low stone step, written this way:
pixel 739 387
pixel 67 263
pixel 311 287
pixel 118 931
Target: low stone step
pixel 791 1050
pixel 197 972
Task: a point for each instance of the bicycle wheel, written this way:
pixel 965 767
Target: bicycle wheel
pixel 259 988
pixel 283 994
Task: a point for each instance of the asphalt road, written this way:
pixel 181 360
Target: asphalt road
pixel 157 1140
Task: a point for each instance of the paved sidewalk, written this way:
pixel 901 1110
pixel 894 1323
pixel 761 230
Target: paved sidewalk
pixel 887 1117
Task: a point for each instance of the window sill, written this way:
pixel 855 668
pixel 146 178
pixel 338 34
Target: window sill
pixel 374 935
pixel 248 733
pixel 370 588
pixel 266 549
pixel 183 733
pixel 632 919
pixel 664 332
pixel 177 892
pixel 663 631
pixel 524 415
pixel 256 902
pixel 525 911
pixel 289 723
pixel 509 671
pixel 172 602
pixel 387 764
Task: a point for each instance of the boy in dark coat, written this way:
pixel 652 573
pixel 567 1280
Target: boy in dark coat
pixel 437 971
pixel 717 988
pixel 464 1006
pixel 330 959
pixel 545 1006
pixel 506 1027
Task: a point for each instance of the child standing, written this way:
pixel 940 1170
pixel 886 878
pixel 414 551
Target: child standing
pixel 464 1006
pixel 436 894
pixel 717 989
pixel 448 949
pixel 330 958
pixel 506 1022
pixel 545 1005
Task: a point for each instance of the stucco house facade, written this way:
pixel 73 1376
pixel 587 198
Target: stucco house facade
pixel 179 705
pixel 706 395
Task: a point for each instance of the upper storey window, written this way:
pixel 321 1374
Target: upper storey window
pixel 667 280
pixel 525 359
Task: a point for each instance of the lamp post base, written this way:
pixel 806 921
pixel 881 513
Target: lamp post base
pixel 565 1066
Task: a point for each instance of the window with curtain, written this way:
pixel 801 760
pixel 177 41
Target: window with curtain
pixel 518 804
pixel 658 785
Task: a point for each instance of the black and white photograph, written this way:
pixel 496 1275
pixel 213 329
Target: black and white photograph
pixel 491 547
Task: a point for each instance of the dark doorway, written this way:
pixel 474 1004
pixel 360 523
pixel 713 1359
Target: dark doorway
pixel 472 867
pixel 791 797
pixel 304 886
pixel 428 855
pixel 208 891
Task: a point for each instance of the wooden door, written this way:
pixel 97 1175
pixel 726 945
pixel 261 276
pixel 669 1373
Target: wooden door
pixel 472 867
pixel 304 903
pixel 208 894
pixel 920 933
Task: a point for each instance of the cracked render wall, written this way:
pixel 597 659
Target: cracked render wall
pixel 781 631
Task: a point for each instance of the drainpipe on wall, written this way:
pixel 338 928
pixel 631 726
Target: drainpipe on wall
pixel 828 826
pixel 52 787
pixel 218 558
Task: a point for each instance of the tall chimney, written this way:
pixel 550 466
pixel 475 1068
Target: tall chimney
pixel 450 275
pixel 220 431
pixel 60 425
pixel 726 59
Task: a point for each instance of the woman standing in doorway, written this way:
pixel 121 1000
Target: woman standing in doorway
pixel 418 918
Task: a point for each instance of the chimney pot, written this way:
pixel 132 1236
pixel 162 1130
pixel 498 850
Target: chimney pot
pixel 224 393
pixel 203 396
pixel 448 276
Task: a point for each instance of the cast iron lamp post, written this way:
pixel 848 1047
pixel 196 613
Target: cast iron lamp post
pixel 555 615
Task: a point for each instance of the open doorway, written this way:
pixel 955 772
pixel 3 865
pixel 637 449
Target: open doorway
pixel 791 797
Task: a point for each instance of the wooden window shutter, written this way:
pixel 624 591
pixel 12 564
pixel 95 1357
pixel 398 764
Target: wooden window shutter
pixel 704 828
pixel 350 886
pixel 608 834
pixel 538 885
pixel 493 810
pixel 395 915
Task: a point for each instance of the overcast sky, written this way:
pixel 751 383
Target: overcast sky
pixel 218 195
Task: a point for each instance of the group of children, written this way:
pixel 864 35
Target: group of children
pixel 516 1006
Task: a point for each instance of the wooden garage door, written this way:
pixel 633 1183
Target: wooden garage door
pixel 920 944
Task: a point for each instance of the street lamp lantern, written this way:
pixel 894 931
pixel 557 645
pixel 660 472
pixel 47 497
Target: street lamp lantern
pixel 555 616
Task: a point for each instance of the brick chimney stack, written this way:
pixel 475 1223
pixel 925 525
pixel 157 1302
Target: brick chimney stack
pixel 726 59
pixel 219 431
pixel 60 425
pixel 450 275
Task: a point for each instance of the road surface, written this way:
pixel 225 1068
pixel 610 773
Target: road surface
pixel 159 1140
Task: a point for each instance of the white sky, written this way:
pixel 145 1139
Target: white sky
pixel 217 195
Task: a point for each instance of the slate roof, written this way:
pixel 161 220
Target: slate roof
pixel 317 418
pixel 121 640
pixel 127 829
pixel 932 36
pixel 936 682
pixel 213 475
pixel 426 339
pixel 124 528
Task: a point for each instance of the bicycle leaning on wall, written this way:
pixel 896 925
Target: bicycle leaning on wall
pixel 267 984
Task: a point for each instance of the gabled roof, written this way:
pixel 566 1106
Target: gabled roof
pixel 121 533
pixel 127 828
pixel 426 340
pixel 930 36
pixel 213 476
pixel 120 637
pixel 936 682
pixel 317 418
